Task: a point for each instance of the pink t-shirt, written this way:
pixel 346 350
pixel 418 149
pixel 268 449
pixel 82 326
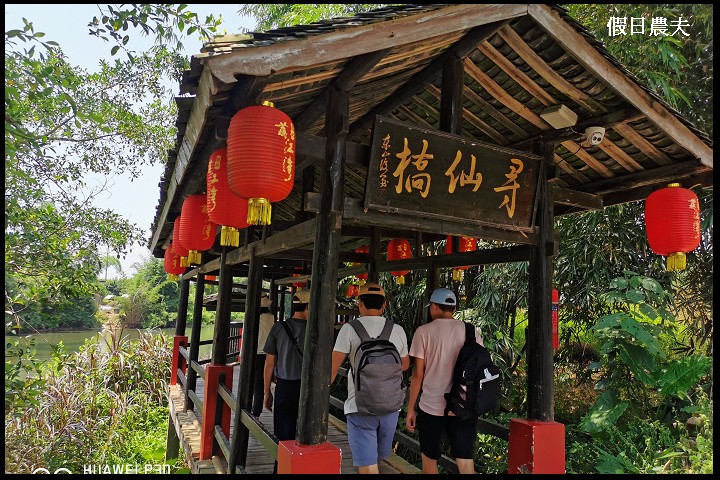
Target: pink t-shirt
pixel 438 343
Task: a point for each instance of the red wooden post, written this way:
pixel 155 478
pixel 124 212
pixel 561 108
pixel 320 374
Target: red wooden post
pixel 296 458
pixel 210 404
pixel 536 447
pixel 178 361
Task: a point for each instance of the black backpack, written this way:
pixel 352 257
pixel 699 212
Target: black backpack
pixel 377 372
pixel 476 380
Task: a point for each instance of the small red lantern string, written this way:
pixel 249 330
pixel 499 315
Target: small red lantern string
pixel 397 249
pixel 672 223
pixel 261 158
pixel 197 232
pixel 223 206
pixel 466 244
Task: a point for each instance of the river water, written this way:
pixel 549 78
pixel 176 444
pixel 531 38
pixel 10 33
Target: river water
pixel 74 339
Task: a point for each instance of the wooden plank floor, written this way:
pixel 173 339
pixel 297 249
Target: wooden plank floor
pixel 187 426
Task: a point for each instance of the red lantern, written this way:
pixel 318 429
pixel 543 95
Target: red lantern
pixel 177 246
pixel 397 249
pixel 261 158
pixel 223 206
pixel 172 265
pixel 197 232
pixel 466 244
pixel 672 223
pixel 363 276
pixel 211 278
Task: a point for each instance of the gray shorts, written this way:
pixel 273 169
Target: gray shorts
pixel 370 437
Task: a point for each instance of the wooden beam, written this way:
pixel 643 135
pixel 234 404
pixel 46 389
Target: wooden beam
pixel 704 179
pixel 516 74
pixel 619 155
pixel 344 43
pixel 355 214
pixel 576 198
pixel 503 97
pixel 579 151
pixel 656 176
pixel 514 41
pixel 605 71
pixel 357 69
pixel 427 75
pixel 650 150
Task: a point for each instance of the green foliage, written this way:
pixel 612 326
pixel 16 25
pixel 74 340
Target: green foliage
pixel 23 382
pixel 152 300
pixel 101 405
pixel 271 16
pixel 635 371
pixel 678 67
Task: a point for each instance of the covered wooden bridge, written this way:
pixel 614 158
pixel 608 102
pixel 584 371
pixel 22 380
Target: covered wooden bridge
pixel 412 122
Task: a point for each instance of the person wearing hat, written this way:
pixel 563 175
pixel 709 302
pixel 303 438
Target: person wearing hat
pixel 267 320
pixel 435 347
pixel 283 360
pixel 370 436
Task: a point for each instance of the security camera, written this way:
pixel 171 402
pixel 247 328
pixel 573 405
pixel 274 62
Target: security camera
pixel 594 135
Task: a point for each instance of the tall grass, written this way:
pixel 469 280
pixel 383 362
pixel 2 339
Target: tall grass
pixel 104 405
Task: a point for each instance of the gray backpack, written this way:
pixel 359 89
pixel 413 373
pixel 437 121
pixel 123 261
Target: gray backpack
pixel 377 372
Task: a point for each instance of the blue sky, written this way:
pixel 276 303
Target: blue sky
pixel 67 25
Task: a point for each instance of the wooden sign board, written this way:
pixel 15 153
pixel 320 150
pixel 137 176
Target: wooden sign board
pixel 434 174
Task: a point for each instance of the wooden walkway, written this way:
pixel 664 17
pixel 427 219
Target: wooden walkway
pixel 259 461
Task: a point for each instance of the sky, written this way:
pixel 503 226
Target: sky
pixel 66 24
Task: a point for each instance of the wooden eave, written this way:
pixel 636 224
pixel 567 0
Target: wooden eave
pixel 517 60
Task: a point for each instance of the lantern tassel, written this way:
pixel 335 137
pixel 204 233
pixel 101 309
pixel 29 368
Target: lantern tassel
pixel 457 275
pixel 400 280
pixel 173 278
pixel 184 262
pixel 259 210
pixel 194 257
pixel 229 236
pixel 676 262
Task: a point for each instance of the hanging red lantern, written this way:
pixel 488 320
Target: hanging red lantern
pixel 197 232
pixel 177 246
pixel 672 223
pixel 466 244
pixel 363 276
pixel 223 206
pixel 261 158
pixel 397 249
pixel 211 278
pixel 171 263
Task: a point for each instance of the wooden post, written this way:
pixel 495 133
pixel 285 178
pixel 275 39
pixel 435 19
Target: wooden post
pixel 319 336
pixel 373 274
pixel 537 445
pixel 182 306
pixel 221 329
pixel 180 338
pixel 238 451
pixel 540 353
pixel 194 352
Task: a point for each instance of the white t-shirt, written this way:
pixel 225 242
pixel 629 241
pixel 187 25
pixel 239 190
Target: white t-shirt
pixel 348 341
pixel 438 343
pixel 266 322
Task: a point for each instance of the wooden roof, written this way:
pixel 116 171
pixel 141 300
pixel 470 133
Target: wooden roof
pixel 518 60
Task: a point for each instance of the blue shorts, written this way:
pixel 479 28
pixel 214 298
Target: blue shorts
pixel 370 437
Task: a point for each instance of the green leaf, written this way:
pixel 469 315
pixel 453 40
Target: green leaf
pixel 114 50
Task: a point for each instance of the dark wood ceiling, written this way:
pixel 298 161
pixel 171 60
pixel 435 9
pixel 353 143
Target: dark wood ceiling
pixel 518 60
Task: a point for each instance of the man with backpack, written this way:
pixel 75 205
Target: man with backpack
pixel 435 347
pixel 283 350
pixel 378 352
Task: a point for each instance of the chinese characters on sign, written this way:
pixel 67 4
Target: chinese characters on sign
pixel 289 159
pixel 658 26
pixel 436 173
pixel 212 192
